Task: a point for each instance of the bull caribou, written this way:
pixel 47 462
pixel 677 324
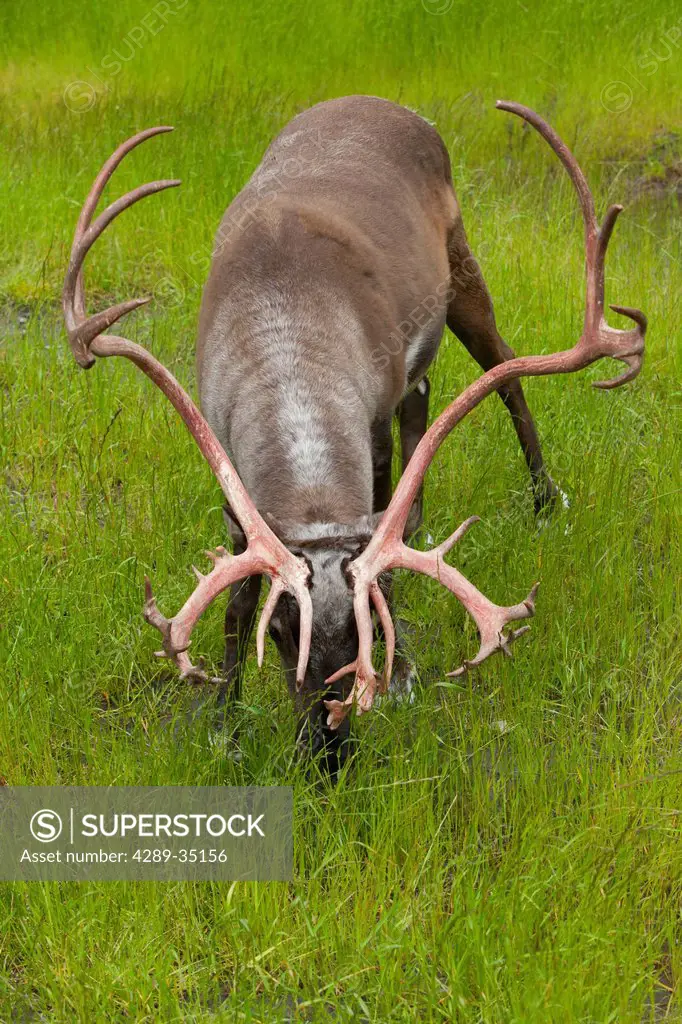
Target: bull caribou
pixel 308 345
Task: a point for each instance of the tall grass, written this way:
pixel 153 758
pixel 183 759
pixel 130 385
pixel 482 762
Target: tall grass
pixel 507 848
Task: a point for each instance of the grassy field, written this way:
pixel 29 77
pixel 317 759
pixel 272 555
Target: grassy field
pixel 506 849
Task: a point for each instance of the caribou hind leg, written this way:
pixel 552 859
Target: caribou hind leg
pixel 471 318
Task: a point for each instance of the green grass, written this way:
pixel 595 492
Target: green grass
pixel 463 869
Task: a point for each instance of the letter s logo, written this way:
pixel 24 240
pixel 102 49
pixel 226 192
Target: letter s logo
pixel 46 826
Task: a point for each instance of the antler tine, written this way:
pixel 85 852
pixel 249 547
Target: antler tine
pixel 386 549
pixel 276 591
pixel 384 613
pixel 82 329
pixel 265 553
pixel 74 294
pixel 367 680
pixel 108 168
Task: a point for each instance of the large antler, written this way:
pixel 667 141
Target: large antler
pixel 387 551
pixel 265 553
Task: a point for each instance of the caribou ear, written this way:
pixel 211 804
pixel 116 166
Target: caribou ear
pixel 237 535
pixel 367 525
pixel 375 519
pixel 276 525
